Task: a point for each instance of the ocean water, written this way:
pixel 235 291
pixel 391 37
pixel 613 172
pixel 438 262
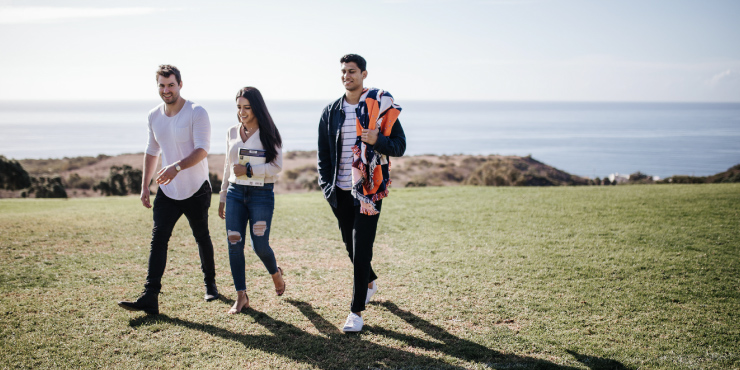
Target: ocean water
pixel 585 139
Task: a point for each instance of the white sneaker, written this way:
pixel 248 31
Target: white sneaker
pixel 371 292
pixel 353 324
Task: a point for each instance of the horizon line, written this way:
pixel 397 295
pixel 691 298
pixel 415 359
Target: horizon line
pixel 409 100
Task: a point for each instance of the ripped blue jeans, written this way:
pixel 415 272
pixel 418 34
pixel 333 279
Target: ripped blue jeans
pixel 251 205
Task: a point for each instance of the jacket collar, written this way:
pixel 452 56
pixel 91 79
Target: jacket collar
pixel 337 105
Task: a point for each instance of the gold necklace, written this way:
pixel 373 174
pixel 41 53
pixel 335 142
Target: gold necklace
pixel 247 132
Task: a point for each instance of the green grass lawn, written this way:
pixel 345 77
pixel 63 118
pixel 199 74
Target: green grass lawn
pixel 470 277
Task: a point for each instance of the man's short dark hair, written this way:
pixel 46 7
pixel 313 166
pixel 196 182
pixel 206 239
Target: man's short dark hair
pixel 166 70
pixel 360 61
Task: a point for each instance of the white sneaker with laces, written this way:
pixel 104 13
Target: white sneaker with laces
pixel 353 324
pixel 371 292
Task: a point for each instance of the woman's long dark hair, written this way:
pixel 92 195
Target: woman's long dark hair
pixel 269 135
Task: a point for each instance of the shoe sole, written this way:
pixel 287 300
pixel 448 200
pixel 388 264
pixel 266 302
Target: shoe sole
pixel 210 298
pixel 148 312
pixel 351 329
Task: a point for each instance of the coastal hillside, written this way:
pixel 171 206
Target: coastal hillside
pixel 81 174
pixel 731 175
pixel 95 176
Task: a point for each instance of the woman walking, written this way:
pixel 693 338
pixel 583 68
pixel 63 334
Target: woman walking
pixel 253 160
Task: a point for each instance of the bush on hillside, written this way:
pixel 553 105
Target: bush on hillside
pixel 122 180
pixel 682 179
pixel 47 187
pixel 75 181
pixel 304 177
pixel 299 154
pixel 640 178
pixel 12 175
pixel 215 182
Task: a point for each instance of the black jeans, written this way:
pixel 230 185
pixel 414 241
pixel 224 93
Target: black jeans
pixel 358 235
pixel 166 213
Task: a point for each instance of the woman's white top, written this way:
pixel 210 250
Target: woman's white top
pixel 233 144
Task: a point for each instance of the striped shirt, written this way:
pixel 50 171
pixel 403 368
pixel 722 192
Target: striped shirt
pixel 348 137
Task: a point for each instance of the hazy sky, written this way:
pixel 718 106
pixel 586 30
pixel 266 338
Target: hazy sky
pixel 555 50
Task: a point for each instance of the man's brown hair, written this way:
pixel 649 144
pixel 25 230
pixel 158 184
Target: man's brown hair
pixel 167 70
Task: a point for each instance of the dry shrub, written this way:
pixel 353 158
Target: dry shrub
pixel 305 177
pixel 299 154
pixel 75 181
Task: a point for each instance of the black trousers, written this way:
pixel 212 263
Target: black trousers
pixel 166 213
pixel 358 234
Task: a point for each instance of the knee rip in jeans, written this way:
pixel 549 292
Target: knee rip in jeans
pixel 259 228
pixel 234 236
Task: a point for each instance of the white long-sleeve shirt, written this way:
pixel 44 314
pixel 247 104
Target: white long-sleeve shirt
pixel 177 137
pixel 233 144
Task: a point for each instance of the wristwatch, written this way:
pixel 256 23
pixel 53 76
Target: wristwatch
pixel 177 167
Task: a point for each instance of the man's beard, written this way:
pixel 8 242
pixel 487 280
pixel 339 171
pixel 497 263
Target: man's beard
pixel 171 100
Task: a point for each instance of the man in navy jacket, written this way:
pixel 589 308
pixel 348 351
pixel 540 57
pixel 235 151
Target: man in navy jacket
pixel 337 135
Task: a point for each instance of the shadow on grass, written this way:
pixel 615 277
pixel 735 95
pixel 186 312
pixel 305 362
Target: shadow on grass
pixel 597 362
pixel 336 350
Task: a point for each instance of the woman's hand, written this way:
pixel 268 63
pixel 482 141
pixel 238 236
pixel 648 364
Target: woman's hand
pixel 239 170
pixel 222 210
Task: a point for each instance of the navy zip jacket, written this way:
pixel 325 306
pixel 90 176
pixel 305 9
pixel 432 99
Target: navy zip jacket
pixel 330 128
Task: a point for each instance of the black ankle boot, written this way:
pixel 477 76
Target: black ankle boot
pixel 147 302
pixel 211 292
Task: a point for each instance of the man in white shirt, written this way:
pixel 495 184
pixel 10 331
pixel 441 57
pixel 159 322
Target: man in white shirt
pixel 180 131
